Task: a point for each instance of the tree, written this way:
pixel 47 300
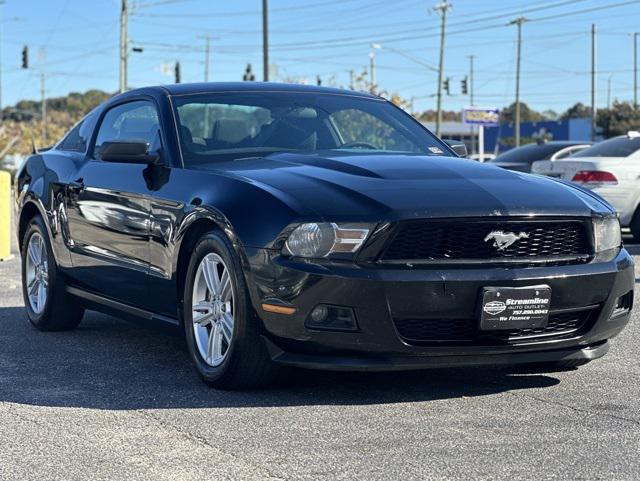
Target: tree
pixel 578 111
pixel 619 119
pixel 508 114
pixel 447 116
pixel 21 123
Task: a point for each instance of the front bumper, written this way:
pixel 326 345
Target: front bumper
pixel 378 296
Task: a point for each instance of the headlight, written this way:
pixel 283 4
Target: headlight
pixel 607 233
pixel 317 240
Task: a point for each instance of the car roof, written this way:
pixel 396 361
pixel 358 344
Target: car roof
pixel 218 87
pixel 566 143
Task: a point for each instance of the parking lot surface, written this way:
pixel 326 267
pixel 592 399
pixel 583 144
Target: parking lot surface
pixel 114 400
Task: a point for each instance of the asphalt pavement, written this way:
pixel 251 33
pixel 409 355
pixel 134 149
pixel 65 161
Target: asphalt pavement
pixel 113 400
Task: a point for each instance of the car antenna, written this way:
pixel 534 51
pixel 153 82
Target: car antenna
pixel 34 149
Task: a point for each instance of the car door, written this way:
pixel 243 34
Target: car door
pixel 108 209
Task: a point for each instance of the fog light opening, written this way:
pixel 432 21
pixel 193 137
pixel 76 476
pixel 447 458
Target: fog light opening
pixel 623 305
pixel 332 318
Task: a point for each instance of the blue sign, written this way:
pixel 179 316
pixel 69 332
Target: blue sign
pixel 481 116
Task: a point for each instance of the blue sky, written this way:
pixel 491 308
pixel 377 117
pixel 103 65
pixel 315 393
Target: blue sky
pixel 75 43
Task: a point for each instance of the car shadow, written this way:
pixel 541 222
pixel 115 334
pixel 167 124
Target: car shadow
pixel 110 364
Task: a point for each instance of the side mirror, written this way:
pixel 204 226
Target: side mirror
pixel 128 151
pixel 458 147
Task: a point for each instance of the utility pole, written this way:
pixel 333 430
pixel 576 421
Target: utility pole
pixel 635 70
pixel 352 84
pixel 265 40
pixel 1 18
pixel 518 21
pixel 471 57
pixel 473 139
pixel 207 52
pixel 594 109
pixel 609 91
pixel 372 72
pixel 207 48
pixel 442 9
pixel 43 112
pixel 124 42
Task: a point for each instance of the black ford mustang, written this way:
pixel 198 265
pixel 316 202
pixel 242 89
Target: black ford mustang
pixel 302 226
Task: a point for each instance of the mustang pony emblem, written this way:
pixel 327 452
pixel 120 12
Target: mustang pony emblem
pixel 502 240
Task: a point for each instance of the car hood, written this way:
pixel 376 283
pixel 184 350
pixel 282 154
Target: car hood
pixel 363 186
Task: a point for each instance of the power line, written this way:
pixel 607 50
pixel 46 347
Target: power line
pixel 245 13
pixel 359 40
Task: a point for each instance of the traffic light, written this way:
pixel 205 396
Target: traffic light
pixel 177 72
pixel 25 57
pixel 445 85
pixel 464 86
pixel 248 74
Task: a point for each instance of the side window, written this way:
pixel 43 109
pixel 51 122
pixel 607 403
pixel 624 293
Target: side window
pixel 78 138
pixel 136 120
pixel 221 125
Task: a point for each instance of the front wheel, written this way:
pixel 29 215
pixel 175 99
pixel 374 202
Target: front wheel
pixel 221 327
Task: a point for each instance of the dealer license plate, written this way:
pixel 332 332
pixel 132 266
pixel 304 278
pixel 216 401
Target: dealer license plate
pixel 506 308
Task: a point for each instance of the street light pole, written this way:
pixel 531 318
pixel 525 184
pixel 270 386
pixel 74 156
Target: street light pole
pixel 442 8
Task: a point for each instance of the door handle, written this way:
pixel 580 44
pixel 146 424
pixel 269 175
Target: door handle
pixel 77 185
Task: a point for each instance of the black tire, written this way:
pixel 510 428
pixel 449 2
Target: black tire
pixel 246 363
pixel 635 226
pixel 61 312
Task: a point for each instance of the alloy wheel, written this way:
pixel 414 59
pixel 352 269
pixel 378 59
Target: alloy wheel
pixel 37 273
pixel 212 309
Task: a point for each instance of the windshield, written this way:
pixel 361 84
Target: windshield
pixel 616 147
pixel 229 126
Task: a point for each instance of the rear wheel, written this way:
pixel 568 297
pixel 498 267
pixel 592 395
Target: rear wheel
pixel 49 307
pixel 221 328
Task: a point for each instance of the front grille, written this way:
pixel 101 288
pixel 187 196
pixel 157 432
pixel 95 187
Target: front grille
pixel 460 240
pixel 466 331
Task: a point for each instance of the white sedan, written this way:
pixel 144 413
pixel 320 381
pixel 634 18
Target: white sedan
pixel 611 169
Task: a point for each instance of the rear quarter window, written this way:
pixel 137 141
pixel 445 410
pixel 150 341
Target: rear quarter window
pixel 77 140
pixel 616 147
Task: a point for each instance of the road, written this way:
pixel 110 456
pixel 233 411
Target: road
pixel 114 400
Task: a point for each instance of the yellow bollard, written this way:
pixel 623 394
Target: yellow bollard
pixel 5 215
